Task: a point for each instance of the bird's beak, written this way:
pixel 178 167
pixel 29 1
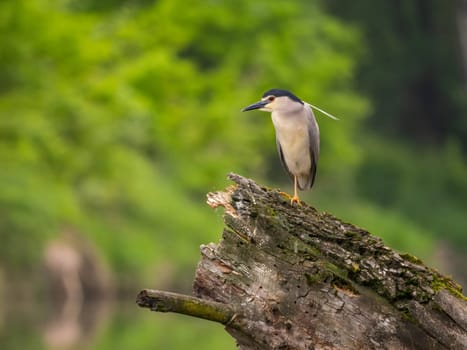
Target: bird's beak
pixel 256 105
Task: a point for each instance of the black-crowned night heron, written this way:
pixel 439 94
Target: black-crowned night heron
pixel 297 135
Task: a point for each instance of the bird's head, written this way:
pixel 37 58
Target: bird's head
pixel 276 99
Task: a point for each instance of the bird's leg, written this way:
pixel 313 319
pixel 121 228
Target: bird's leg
pixel 295 198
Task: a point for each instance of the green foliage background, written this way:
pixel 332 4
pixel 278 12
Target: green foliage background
pixel 117 117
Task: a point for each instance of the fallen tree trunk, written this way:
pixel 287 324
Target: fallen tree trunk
pixel 289 277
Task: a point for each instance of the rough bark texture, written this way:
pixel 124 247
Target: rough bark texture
pixel 295 278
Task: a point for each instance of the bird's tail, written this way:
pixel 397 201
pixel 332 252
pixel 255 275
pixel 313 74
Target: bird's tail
pixel 306 181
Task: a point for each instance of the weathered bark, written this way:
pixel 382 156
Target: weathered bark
pixel 293 278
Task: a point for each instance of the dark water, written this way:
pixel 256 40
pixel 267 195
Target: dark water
pixel 103 325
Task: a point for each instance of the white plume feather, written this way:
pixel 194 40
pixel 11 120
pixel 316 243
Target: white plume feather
pixel 324 112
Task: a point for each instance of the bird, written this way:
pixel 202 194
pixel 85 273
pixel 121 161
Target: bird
pixel 297 135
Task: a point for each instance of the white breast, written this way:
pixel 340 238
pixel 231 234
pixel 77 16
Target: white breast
pixel 292 133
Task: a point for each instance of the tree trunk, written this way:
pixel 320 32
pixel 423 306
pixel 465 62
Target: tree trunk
pixel 288 277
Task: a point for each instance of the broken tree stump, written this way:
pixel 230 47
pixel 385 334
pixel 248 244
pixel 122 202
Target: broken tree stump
pixel 289 277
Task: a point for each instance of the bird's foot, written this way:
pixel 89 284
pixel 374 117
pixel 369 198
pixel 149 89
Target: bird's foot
pixel 295 199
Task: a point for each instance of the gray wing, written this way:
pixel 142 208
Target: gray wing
pixel 281 157
pixel 313 135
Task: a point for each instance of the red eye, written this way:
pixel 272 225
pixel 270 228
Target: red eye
pixel 271 98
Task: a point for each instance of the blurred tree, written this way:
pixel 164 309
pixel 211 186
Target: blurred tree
pixel 413 69
pixel 117 116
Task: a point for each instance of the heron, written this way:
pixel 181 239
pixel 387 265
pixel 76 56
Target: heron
pixel 297 135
